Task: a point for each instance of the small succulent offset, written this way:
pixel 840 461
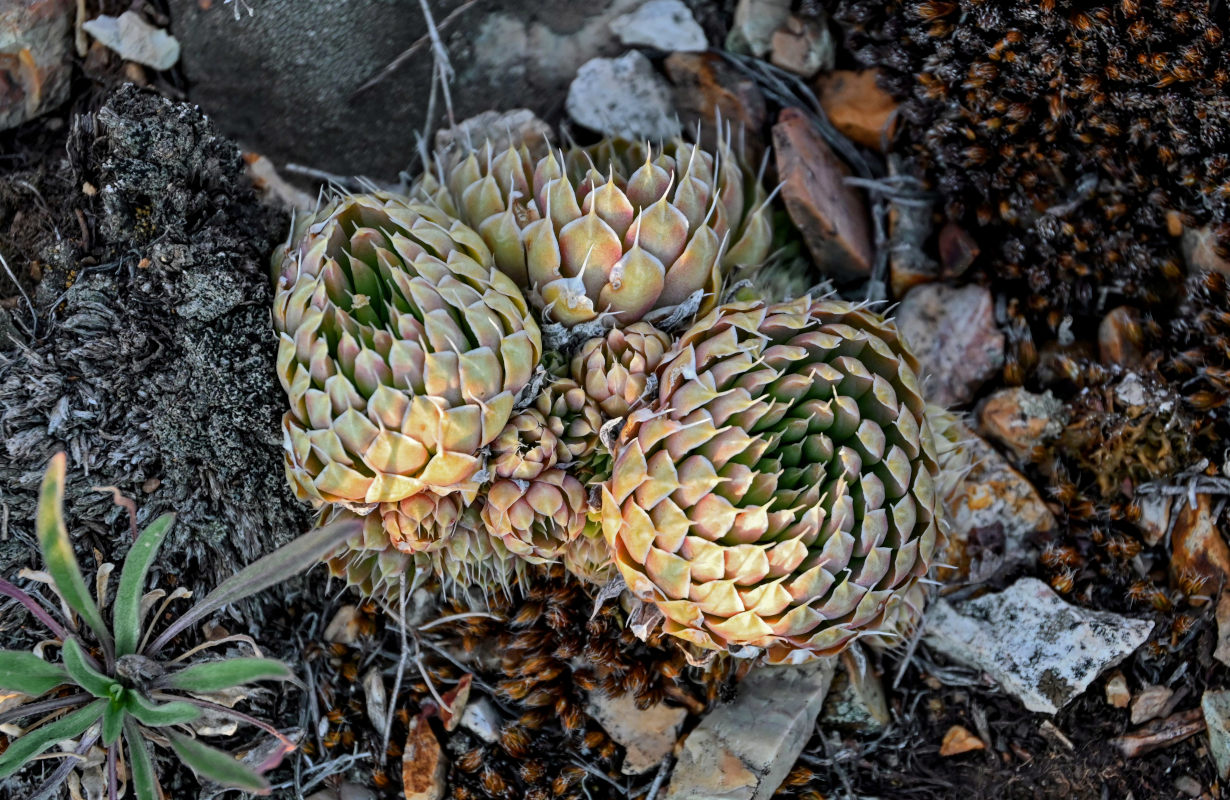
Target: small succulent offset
pixel 113 681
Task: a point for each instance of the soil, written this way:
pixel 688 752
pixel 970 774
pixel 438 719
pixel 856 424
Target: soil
pixel 134 332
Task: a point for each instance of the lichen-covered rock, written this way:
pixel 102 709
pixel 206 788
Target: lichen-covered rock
pixel 1040 650
pixel 154 364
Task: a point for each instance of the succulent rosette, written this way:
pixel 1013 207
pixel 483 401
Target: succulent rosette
pixel 401 348
pixel 588 558
pixel 536 519
pixel 615 369
pixel 778 492
pixel 619 228
pixel 572 416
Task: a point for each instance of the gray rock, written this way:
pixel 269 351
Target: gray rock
pixel 481 718
pixel 663 24
pixel 856 701
pixel 1021 420
pixel 996 519
pixel 33 33
pixel 134 39
pixel 623 96
pixel 1040 650
pixel 953 333
pixel 647 735
pixel 744 750
pixel 285 81
pixel 1216 708
pixel 754 25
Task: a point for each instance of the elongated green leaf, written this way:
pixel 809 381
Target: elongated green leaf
pixel 82 673
pixel 113 722
pixel 160 715
pixel 28 674
pixel 58 554
pixel 31 743
pixel 140 765
pixel 213 676
pixel 216 765
pixel 280 565
pixel 126 615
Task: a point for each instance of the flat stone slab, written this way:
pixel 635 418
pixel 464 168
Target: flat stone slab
pixel 744 750
pixel 1040 649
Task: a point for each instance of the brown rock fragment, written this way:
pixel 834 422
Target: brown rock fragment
pixel 1203 251
pixel 958 250
pixel 857 106
pixel 1020 420
pixel 830 215
pixel 34 57
pixel 1120 338
pixel 1150 703
pixel 1154 518
pixel 953 333
pixel 1117 693
pixel 1199 553
pixel 706 87
pixel 1160 734
pixel 648 735
pixel 802 46
pixel 424 767
pixel 959 740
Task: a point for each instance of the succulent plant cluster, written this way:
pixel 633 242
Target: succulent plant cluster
pixel 532 363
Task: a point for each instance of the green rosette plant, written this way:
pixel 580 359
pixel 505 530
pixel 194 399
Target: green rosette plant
pixel 113 686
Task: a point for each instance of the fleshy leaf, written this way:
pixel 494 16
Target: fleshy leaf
pixel 218 766
pixel 140 765
pixel 113 722
pixel 58 550
pixel 160 715
pixel 31 743
pixel 126 614
pixel 280 565
pixel 82 673
pixel 28 674
pixel 214 676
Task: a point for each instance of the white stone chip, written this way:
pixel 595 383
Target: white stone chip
pixel 662 24
pixel 134 39
pixel 1040 649
pixel 623 97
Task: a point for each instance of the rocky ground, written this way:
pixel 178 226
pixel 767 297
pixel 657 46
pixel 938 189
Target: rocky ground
pixel 1052 254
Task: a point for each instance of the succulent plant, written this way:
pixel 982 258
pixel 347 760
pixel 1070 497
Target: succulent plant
pixel 572 416
pixel 536 519
pixel 401 348
pixel 474 559
pixel 778 492
pixel 588 558
pixel 615 369
pixel 617 228
pixel 113 681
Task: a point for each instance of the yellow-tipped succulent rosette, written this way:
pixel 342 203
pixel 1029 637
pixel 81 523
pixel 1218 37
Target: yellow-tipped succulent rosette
pixel 619 228
pixel 779 491
pixel 402 351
